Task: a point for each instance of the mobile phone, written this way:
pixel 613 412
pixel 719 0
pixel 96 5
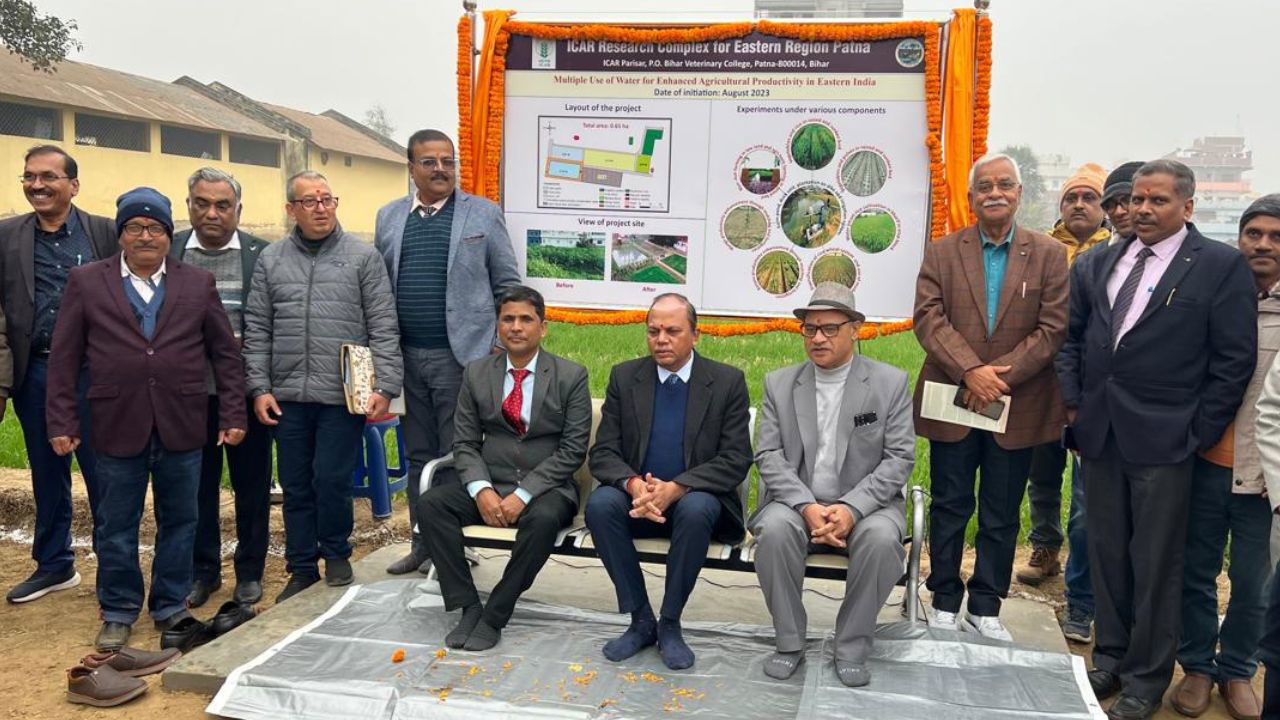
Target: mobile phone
pixel 1069 438
pixel 993 410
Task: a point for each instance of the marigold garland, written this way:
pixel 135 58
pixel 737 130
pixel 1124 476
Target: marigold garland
pixel 635 317
pixel 491 154
pixel 466 54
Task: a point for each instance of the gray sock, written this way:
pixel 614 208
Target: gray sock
pixel 782 665
pixel 483 637
pixel 852 675
pixel 458 636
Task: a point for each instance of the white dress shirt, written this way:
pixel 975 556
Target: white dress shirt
pixel 418 205
pixel 145 287
pixel 683 373
pixel 1165 251
pixel 526 414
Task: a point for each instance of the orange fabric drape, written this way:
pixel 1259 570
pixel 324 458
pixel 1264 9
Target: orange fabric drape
pixel 483 122
pixel 958 106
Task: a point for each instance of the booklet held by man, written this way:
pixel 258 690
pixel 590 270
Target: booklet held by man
pixel 358 380
pixel 938 403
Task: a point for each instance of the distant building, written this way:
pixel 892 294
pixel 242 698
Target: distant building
pixel 125 130
pixel 1055 169
pixel 828 8
pixel 1222 191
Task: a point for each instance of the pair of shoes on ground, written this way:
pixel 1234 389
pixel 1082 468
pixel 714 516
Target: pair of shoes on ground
pixel 110 679
pixel 180 631
pixel 247 592
pixel 1126 707
pixel 337 572
pixel 41 583
pixel 473 632
pixel 782 665
pixel 988 626
pixel 1191 696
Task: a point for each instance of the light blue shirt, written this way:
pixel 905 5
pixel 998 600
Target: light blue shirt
pixel 526 414
pixel 683 373
pixel 995 258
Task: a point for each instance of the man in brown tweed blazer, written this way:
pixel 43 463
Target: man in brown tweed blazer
pixel 991 312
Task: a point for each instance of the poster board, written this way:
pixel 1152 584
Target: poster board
pixel 738 172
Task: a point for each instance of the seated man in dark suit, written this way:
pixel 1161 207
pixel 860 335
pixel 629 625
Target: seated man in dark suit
pixel 673 444
pixel 521 430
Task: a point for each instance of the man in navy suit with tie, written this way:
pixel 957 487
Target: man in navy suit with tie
pixel 674 443
pixel 1160 348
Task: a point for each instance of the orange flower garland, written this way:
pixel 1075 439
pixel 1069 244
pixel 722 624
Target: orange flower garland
pixel 491 153
pixel 465 58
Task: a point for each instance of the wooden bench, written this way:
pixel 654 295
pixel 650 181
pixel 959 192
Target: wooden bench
pixel 576 539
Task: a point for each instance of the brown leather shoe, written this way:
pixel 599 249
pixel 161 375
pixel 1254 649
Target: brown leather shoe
pixel 132 661
pixel 103 686
pixel 1242 701
pixel 1043 565
pixel 1191 696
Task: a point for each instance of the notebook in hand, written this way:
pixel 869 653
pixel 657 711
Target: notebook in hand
pixel 359 380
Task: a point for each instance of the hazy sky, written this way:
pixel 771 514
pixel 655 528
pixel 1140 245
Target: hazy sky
pixel 1099 80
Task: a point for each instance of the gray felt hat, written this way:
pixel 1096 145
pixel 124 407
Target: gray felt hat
pixel 831 296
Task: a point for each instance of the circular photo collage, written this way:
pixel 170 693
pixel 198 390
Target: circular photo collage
pixel 813 145
pixel 834 266
pixel 811 215
pixel 777 272
pixel 874 229
pixel 864 172
pixel 744 226
pixel 760 170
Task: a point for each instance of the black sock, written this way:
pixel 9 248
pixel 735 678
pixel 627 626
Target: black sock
pixel 470 618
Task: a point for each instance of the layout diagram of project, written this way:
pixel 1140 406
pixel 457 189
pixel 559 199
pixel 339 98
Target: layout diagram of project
pixel 605 163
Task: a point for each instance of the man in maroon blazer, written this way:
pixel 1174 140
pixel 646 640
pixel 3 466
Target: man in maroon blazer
pixel 143 327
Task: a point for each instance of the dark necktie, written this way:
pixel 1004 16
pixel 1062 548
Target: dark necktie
pixel 427 211
pixel 1124 298
pixel 515 399
pixel 673 381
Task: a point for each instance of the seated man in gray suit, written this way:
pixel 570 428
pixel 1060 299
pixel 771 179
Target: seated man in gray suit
pixel 520 432
pixel 835 451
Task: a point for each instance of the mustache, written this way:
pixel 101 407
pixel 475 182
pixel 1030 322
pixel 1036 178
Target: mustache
pixel 995 203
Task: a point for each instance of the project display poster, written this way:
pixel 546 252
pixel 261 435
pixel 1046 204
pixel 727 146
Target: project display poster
pixel 738 172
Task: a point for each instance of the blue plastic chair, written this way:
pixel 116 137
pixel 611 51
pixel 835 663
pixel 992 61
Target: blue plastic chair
pixel 372 478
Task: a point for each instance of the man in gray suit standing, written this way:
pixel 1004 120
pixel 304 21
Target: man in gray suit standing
pixel 449 259
pixel 522 426
pixel 835 452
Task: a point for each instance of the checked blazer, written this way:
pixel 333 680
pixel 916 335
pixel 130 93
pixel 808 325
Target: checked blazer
pixel 1031 324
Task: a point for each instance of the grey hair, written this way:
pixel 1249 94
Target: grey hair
pixel 213 175
pixel 304 175
pixel 987 160
pixel 1184 180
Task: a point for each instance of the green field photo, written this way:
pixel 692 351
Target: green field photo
pixel 777 272
pixel 873 230
pixel 745 227
pixel 565 255
pixel 811 216
pixel 834 267
pixel 813 146
pixel 650 258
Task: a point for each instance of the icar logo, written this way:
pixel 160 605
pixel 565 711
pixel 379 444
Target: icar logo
pixel 544 55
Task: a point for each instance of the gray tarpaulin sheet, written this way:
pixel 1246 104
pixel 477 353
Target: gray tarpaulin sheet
pixel 548 665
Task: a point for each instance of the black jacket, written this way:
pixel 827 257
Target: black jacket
pixel 717 435
pixel 1175 381
pixel 18 273
pixel 250 247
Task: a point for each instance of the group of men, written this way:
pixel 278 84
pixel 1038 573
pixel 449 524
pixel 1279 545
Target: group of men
pixel 1126 341
pixel 1140 348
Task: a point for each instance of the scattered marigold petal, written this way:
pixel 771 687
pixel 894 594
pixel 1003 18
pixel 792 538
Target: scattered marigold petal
pixel 441 653
pixel 576 667
pixel 398 655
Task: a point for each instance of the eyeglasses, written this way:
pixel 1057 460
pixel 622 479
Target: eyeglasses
pixel 201 205
pixel 135 230
pixel 329 202
pixel 46 178
pixel 830 329
pixel 430 163
pixel 985 187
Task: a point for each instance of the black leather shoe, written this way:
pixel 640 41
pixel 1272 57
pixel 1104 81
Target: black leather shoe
pixel 1104 683
pixel 337 572
pixel 200 592
pixel 186 634
pixel 408 562
pixel 297 583
pixel 247 592
pixel 112 637
pixel 1129 707
pixel 231 615
pixel 174 619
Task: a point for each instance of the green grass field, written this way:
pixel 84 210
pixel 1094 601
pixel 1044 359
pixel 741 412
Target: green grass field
pixel 873 232
pixel 577 263
pixel 679 263
pixel 650 274
pixel 601 347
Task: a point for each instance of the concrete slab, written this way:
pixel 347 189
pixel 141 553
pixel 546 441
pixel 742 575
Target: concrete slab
pixel 722 595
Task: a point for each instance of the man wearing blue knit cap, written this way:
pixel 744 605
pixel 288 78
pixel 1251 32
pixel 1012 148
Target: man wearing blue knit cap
pixel 144 326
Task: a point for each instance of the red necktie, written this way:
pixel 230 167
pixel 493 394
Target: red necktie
pixel 511 406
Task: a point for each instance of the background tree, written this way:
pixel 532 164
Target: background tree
pixel 376 118
pixel 1037 210
pixel 43 41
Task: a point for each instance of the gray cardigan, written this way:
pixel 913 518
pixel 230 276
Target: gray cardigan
pixel 481 265
pixel 303 307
